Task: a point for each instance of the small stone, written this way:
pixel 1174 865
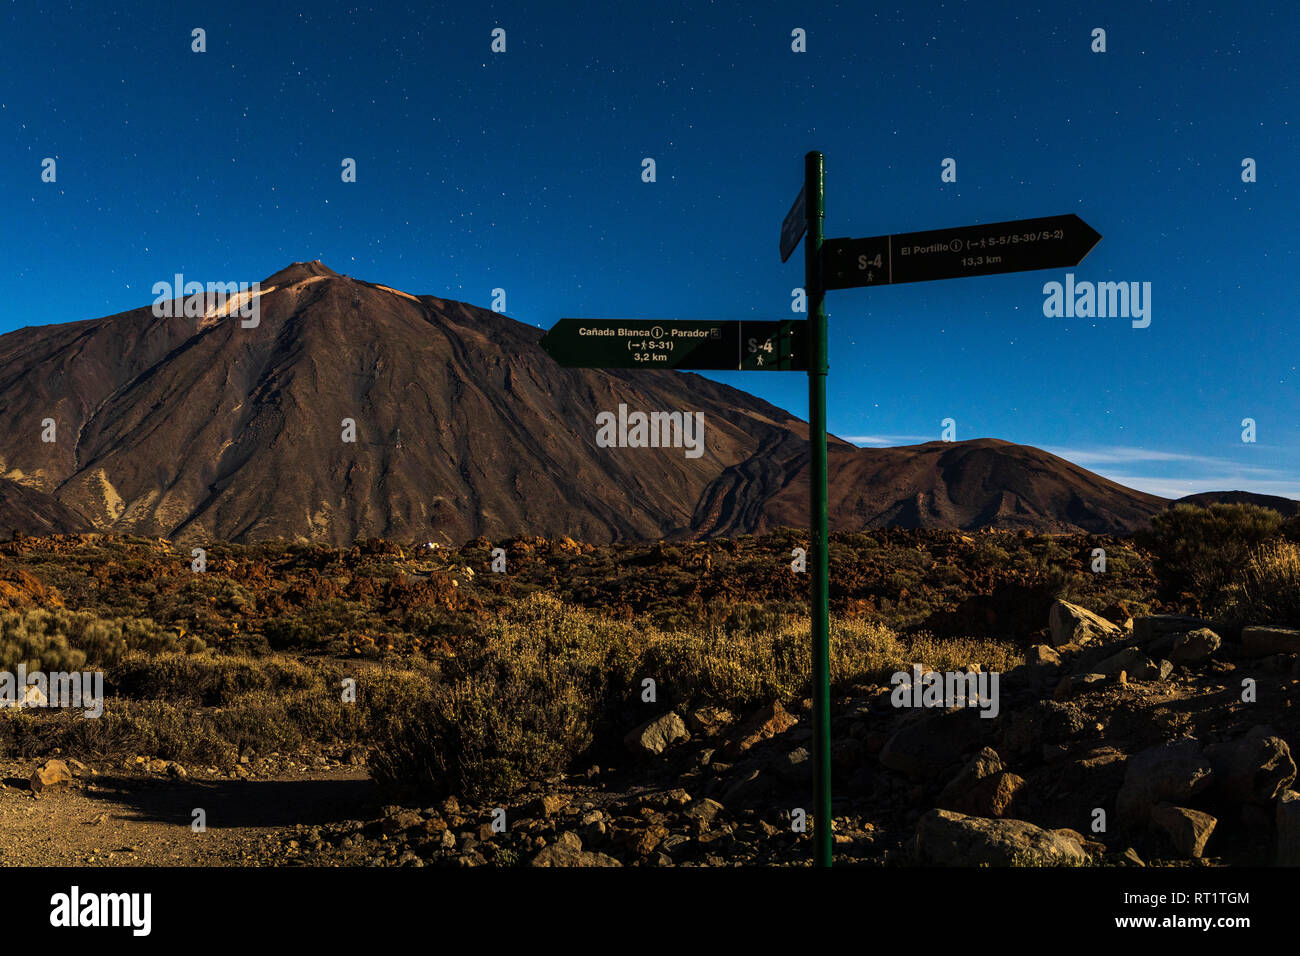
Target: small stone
pixel 1043 655
pixel 550 804
pixel 708 719
pixel 766 723
pixel 1195 646
pixel 704 810
pixel 51 775
pixel 1075 683
pixel 657 735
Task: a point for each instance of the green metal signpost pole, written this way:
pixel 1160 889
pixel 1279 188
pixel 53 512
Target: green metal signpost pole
pixel 814 185
pixel 1022 245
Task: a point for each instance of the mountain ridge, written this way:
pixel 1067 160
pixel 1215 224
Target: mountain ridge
pixel 202 428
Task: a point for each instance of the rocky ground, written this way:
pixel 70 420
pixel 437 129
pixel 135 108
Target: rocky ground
pixel 1151 742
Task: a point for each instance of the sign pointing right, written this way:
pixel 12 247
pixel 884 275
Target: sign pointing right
pixel 1016 246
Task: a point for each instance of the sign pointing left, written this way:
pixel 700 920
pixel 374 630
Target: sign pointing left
pixel 743 345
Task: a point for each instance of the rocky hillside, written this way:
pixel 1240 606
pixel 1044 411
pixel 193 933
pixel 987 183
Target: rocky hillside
pixel 26 511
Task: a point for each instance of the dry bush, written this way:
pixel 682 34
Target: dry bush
pixel 536 690
pixel 1266 589
pixel 63 640
pixel 1196 552
pixel 517 704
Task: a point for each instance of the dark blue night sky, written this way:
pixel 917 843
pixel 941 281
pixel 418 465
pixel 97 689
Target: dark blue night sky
pixel 522 171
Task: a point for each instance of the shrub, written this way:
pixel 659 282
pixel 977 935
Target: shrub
pixel 1266 590
pixel 60 639
pixel 208 680
pixel 517 705
pixel 1197 551
pixel 547 683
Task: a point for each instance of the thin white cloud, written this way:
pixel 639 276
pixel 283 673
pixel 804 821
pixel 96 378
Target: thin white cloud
pixel 885 441
pixel 1180 487
pixel 1124 455
pixel 1195 473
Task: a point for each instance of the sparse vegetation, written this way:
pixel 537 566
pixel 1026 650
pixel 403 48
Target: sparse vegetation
pixel 62 640
pixel 469 681
pixel 539 690
pixel 1197 551
pixel 1266 588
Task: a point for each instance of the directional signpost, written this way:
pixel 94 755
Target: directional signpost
pixel 1016 246
pixel 743 345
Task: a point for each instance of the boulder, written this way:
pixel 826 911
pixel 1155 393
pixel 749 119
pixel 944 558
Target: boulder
pixel 928 742
pixel 1042 655
pixel 1131 660
pixel 1153 627
pixel 549 804
pixel 1186 830
pixel 946 838
pixel 1171 772
pixel 765 724
pixel 657 735
pixel 703 810
pixel 51 775
pixel 1071 624
pixel 1253 769
pixel 1195 646
pixel 994 797
pixel 708 719
pixel 397 819
pixel 983 788
pixel 1074 684
pixel 1265 641
pixel 567 851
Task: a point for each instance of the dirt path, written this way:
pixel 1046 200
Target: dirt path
pixel 129 819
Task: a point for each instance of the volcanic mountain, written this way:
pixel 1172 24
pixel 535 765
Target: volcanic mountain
pixel 200 428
